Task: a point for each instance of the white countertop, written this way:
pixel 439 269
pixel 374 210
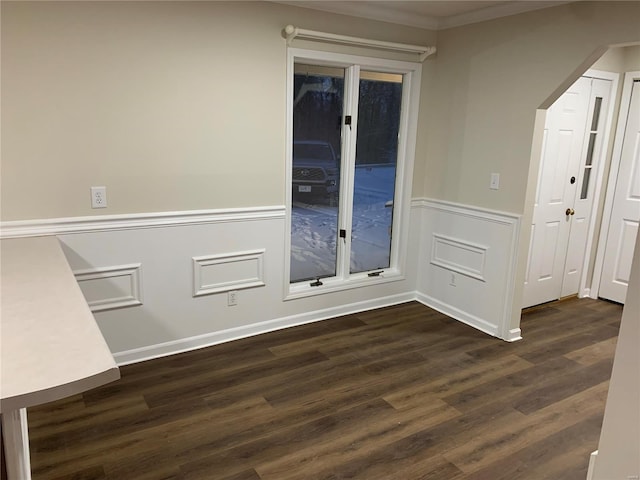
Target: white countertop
pixel 50 344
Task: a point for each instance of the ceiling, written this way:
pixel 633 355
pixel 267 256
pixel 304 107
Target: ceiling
pixel 432 15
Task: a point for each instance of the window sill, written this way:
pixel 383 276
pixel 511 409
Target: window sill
pixel 303 289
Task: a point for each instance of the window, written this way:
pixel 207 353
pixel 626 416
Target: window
pixel 351 138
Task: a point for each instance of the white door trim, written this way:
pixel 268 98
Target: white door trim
pixel 625 103
pixel 584 289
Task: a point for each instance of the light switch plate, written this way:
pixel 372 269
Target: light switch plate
pixel 495 181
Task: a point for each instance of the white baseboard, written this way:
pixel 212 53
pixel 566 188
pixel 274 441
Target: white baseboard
pixel 457 314
pixel 214 338
pixel 584 293
pixel 514 335
pixel 592 463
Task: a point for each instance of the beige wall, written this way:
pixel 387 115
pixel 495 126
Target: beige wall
pixel 178 106
pixel 172 106
pixel 619 447
pixel 619 59
pixel 611 61
pixel 490 79
pixel 632 58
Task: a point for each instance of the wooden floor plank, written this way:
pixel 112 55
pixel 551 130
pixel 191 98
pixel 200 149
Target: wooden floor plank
pixel 500 443
pixel 457 380
pixel 280 442
pixel 354 445
pixel 513 385
pixel 401 392
pixel 594 353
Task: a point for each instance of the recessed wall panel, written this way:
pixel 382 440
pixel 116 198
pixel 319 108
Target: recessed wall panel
pixel 459 256
pixel 225 272
pixel 112 287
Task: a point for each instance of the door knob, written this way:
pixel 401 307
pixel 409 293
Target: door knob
pixel 569 211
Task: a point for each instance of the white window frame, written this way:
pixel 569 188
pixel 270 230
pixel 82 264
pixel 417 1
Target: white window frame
pixel 411 72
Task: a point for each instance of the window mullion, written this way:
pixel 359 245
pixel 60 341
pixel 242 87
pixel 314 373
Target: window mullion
pixel 402 189
pixel 349 136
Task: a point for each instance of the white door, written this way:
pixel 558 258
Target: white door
pixel 592 150
pixel 625 214
pixel 571 148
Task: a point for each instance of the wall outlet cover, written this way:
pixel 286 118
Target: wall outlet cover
pixel 98 197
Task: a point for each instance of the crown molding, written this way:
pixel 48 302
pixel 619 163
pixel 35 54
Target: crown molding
pixel 496 11
pixel 386 11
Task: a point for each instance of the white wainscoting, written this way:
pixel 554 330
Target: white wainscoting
pixel 460 261
pixel 467 264
pixel 182 264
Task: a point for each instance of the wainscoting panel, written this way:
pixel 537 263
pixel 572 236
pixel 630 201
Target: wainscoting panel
pixel 226 272
pixel 111 287
pixel 459 256
pixel 468 263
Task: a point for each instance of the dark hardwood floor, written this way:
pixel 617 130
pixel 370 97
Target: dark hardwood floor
pixel 398 393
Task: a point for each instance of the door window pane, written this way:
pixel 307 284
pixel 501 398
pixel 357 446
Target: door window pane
pixel 596 113
pixel 379 105
pixel 317 112
pixel 585 184
pixel 592 143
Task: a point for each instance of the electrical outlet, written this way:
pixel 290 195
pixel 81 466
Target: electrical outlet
pixel 452 282
pixel 232 298
pixel 98 197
